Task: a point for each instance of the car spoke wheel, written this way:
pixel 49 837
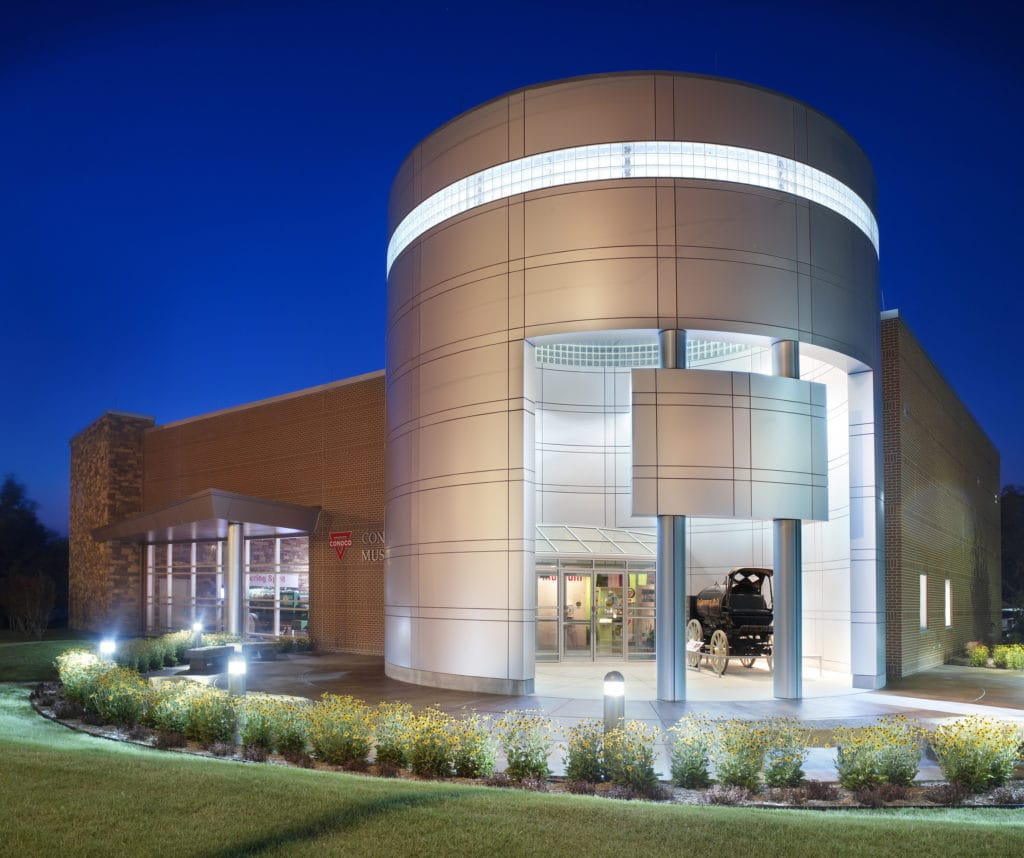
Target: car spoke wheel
pixel 747 662
pixel 694 632
pixel 770 658
pixel 719 652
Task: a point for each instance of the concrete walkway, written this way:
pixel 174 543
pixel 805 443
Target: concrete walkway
pixel 571 693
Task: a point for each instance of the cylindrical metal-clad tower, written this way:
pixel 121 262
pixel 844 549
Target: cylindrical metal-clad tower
pixel 632 203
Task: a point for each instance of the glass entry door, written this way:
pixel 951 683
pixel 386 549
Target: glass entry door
pixel 608 610
pixel 578 614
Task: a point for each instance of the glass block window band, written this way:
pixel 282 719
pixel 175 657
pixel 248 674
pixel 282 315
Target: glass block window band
pixel 664 159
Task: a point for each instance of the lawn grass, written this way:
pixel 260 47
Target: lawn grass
pixel 66 793
pixel 32 661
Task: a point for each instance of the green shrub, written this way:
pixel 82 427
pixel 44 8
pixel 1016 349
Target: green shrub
pixel 392 730
pixel 887 752
pixel 121 696
pixel 177 643
pixel 219 639
pixel 977 753
pixel 1000 655
pixel 340 729
pixel 526 739
pixel 584 753
pixel 629 755
pixel 291 727
pixel 738 752
pixel 212 714
pixel 473 750
pixel 431 749
pixel 79 671
pixel 785 751
pixel 690 752
pixel 978 655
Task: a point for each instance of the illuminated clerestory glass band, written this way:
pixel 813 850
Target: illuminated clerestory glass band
pixel 639 160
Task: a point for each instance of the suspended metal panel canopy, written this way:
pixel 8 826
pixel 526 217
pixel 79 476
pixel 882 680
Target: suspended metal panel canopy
pixel 206 514
pixel 588 541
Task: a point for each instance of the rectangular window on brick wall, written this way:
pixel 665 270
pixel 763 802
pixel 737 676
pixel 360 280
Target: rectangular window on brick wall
pixel 949 603
pixel 923 609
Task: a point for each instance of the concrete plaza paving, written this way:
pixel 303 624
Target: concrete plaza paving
pixel 571 693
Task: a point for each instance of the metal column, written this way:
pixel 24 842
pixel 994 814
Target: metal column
pixel 234 570
pixel 670 581
pixel 788 563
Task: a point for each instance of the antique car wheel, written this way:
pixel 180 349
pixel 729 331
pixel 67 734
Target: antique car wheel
pixel 747 662
pixel 694 632
pixel 770 659
pixel 719 652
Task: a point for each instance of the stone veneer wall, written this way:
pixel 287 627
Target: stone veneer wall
pixel 105 578
pixel 941 514
pixel 319 447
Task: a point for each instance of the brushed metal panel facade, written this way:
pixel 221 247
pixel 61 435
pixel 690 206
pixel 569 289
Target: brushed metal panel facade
pixel 728 444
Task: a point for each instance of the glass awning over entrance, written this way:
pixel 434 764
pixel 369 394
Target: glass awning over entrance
pixel 588 541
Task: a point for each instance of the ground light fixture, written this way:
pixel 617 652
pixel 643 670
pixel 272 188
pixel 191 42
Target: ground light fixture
pixel 197 634
pixel 614 700
pixel 107 647
pixel 237 668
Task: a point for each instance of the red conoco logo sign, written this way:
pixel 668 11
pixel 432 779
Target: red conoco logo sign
pixel 340 541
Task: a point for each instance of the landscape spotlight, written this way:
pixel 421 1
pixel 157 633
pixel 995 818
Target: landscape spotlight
pixel 107 647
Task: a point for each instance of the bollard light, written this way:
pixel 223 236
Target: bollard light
pixel 107 647
pixel 197 634
pixel 236 675
pixel 614 700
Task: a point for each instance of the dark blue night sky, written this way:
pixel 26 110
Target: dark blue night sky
pixel 193 194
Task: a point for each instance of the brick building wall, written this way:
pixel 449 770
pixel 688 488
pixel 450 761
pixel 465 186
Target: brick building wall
pixel 105 578
pixel 319 447
pixel 941 511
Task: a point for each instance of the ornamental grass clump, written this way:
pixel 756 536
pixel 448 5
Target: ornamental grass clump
pixel 393 733
pixel 526 738
pixel 340 729
pixel 474 753
pixel 121 697
pixel 738 753
pixel 431 752
pixel 629 755
pixel 690 752
pixel 212 714
pixel 785 751
pixel 887 752
pixel 584 753
pixel 977 753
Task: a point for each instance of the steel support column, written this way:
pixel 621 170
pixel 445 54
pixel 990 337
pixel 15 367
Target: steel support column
pixel 234 571
pixel 670 581
pixel 787 581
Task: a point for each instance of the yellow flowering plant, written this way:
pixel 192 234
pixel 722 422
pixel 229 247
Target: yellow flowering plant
pixel 430 749
pixel 629 755
pixel 977 753
pixel 392 730
pixel 690 752
pixel 785 742
pixel 738 752
pixel 584 752
pixel 340 729
pixel 526 738
pixel 473 749
pixel 79 671
pixel 887 752
pixel 121 696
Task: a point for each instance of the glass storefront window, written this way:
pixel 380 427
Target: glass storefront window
pixel 185 583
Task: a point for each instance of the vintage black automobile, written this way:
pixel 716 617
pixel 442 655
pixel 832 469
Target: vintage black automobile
pixel 733 619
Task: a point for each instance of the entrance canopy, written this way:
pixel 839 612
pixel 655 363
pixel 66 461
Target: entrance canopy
pixel 588 541
pixel 206 515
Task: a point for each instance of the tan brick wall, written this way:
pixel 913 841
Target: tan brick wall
pixel 941 515
pixel 105 578
pixel 324 447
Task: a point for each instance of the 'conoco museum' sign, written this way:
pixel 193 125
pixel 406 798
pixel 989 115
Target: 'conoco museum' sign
pixel 371 540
